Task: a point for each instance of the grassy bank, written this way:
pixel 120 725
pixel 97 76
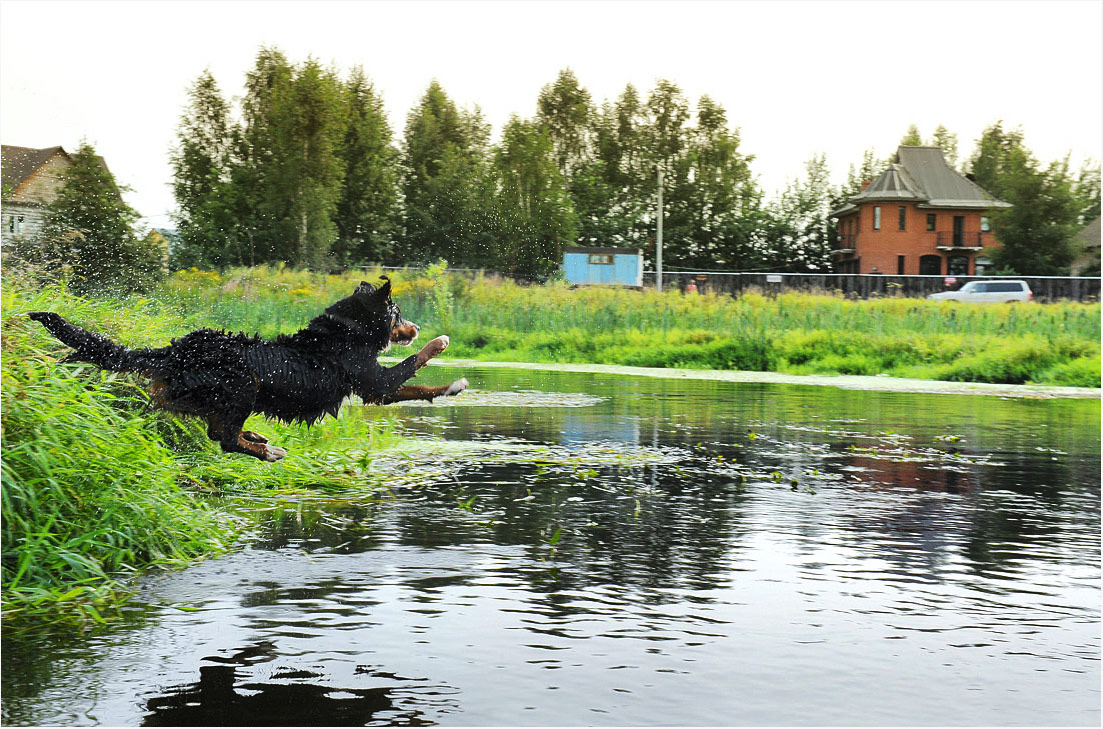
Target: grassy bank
pixel 490 319
pixel 97 486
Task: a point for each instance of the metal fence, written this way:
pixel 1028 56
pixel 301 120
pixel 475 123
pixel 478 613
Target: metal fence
pixel 867 285
pixel 854 285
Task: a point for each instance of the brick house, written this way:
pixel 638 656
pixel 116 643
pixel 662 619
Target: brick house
pixel 919 216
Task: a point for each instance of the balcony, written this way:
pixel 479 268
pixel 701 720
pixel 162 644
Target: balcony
pixel 959 240
pixel 844 244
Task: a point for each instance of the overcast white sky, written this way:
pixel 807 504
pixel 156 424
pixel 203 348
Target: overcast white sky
pixel 797 78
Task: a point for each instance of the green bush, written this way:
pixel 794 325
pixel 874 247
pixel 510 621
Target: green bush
pixel 1080 372
pixel 96 485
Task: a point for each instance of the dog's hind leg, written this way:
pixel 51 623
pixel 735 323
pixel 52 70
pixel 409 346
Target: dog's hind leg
pixel 214 431
pixel 422 392
pixel 233 439
pixel 253 436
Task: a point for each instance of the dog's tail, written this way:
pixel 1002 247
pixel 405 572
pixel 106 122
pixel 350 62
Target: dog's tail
pixel 90 347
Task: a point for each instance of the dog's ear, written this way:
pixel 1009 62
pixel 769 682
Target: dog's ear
pixel 385 290
pixel 365 288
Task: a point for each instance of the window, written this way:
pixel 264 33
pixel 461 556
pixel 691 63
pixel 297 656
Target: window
pixel 958 266
pixel 930 265
pixel 876 217
pixel 15 225
pixel 900 264
pixel 932 221
pixel 605 259
pixel 903 211
pixel 1004 288
pixel 985 224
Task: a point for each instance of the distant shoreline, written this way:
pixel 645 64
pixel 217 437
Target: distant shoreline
pixel 846 382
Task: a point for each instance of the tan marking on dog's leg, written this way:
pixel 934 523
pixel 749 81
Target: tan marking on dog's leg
pixel 158 393
pixel 253 436
pixel 259 450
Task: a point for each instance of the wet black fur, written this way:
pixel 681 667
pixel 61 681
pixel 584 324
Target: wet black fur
pixel 225 377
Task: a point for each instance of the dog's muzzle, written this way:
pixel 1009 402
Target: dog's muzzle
pixel 405 333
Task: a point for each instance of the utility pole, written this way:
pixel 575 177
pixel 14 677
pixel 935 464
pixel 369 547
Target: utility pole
pixel 659 238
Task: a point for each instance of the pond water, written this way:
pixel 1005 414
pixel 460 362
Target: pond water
pixel 583 549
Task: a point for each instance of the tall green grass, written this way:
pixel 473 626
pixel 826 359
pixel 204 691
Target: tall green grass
pixel 97 486
pixel 492 319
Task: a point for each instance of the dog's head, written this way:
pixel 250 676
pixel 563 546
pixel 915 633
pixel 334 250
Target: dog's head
pixel 371 309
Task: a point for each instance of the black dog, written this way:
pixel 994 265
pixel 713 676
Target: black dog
pixel 302 377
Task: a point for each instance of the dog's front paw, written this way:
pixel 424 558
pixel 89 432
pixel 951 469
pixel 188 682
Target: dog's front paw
pixel 439 344
pixel 273 453
pixel 432 349
pixel 457 387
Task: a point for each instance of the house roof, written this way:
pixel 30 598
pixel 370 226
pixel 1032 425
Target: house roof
pixel 18 163
pixel 602 249
pixel 1089 236
pixel 921 175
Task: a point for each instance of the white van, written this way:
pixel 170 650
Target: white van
pixel 988 292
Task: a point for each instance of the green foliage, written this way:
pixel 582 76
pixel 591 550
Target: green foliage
pixel 98 486
pixel 311 178
pixel 802 232
pixel 90 485
pixel 1080 372
pixel 566 111
pixel 946 140
pixel 912 137
pixel 493 319
pixel 89 234
pixel 447 183
pixel 367 212
pixel 202 163
pixel 1086 193
pixel 536 215
pixel 1036 231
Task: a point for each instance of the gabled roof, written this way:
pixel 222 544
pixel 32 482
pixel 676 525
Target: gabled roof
pixel 18 163
pixel 921 175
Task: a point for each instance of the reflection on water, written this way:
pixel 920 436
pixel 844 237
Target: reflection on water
pixel 222 697
pixel 641 552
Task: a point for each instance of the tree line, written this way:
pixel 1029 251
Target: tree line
pixel 313 175
pixel 303 168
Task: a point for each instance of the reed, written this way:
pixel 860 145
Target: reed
pixel 494 319
pixel 98 486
